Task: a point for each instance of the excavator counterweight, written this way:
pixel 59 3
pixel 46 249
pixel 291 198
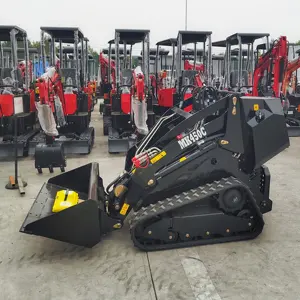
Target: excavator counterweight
pixel 196 178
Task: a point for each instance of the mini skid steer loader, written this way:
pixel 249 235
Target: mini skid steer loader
pixel 197 178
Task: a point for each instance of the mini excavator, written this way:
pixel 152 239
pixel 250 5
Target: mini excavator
pixel 107 75
pixel 189 77
pixel 63 91
pixel 196 178
pixel 108 84
pixel 131 113
pixel 17 99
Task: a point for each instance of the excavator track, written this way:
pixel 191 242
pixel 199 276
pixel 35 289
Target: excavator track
pixel 185 220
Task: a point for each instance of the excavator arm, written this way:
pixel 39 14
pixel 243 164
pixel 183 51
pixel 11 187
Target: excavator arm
pixel 274 63
pixel 104 67
pixel 292 66
pixel 49 86
pixel 189 66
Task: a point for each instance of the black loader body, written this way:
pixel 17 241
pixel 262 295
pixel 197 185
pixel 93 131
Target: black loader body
pixel 196 178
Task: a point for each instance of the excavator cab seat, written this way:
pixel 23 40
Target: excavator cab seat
pixel 126 77
pixel 68 78
pixel 8 73
pixel 188 77
pixel 234 78
pixel 66 74
pixel 127 80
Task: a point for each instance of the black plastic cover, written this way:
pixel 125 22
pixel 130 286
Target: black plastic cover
pixel 65 34
pixel 113 51
pixel 194 36
pixel 5 32
pixel 168 42
pixel 132 36
pixel 246 38
pixel 20 50
pixel 219 44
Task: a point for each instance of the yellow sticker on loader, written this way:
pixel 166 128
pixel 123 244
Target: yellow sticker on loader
pixel 124 209
pixel 158 157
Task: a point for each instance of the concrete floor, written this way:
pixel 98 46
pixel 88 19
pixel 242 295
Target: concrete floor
pixel 34 268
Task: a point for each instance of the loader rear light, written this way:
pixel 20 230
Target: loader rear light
pixel 179 136
pixel 120 190
pixel 124 209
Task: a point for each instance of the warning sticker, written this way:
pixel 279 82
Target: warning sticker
pixel 158 157
pixel 124 209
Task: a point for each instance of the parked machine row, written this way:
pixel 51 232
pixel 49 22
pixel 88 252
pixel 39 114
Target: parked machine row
pixel 53 111
pixel 126 120
pixel 263 71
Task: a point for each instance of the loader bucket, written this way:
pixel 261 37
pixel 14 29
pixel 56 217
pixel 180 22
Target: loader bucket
pixel 82 224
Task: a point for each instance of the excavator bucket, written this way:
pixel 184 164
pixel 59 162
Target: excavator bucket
pixel 82 224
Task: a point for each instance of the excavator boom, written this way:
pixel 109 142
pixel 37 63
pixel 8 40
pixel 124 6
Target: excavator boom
pixel 104 66
pixel 292 66
pixel 274 63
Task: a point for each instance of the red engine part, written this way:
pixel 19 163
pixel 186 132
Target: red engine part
pixel 126 103
pixel 165 97
pixel 6 105
pixel 70 104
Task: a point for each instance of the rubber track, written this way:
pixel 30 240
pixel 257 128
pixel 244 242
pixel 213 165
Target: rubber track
pixel 185 198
